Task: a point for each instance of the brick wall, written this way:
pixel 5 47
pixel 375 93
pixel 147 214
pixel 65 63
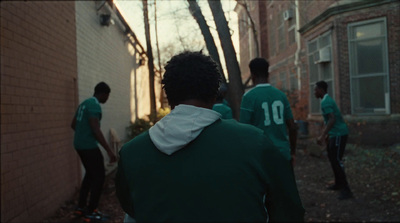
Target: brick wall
pixel 363 129
pixel 39 167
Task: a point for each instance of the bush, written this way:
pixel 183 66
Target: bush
pixel 141 125
pixel 136 128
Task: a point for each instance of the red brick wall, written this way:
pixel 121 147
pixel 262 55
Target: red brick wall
pixel 363 129
pixel 39 167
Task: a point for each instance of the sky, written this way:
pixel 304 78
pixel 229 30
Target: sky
pixel 177 29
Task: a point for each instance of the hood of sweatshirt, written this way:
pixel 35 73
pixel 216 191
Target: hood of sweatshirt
pixel 180 127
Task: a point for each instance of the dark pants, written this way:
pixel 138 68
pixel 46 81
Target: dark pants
pixel 93 182
pixel 335 149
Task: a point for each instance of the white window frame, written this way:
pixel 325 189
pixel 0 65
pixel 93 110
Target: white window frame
pixel 331 79
pixel 352 64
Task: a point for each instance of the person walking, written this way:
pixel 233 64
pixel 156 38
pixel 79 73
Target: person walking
pixel 86 124
pixel 268 109
pixel 335 134
pixel 193 166
pixel 222 108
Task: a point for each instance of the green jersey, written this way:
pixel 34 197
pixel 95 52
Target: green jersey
pixel 230 173
pixel 224 110
pixel 328 105
pixel 84 137
pixel 267 108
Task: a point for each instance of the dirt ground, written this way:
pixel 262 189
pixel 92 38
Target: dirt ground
pixel 373 174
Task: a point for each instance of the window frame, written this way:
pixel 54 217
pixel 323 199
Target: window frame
pixel 319 71
pixel 353 75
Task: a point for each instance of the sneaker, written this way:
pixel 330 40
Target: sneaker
pixel 80 212
pixel 345 194
pixel 96 216
pixel 335 187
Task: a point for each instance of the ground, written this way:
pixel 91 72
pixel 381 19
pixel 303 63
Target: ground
pixel 373 174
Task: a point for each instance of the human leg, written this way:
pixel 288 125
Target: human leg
pixel 96 173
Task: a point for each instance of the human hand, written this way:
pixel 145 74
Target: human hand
pixel 320 140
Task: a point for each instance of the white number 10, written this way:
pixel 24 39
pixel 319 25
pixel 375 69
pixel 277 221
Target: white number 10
pixel 277 112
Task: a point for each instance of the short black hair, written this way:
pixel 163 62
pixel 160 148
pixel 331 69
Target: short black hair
pixel 102 88
pixel 259 67
pixel 191 75
pixel 323 85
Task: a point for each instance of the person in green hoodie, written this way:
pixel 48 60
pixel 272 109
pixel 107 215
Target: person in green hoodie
pixel 193 166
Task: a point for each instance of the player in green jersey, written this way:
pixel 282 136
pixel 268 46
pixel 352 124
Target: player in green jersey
pixel 335 135
pixel 86 124
pixel 222 108
pixel 193 166
pixel 268 109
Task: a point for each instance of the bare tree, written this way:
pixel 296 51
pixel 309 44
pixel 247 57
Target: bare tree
pixel 252 26
pixel 244 4
pixel 195 10
pixel 150 64
pixel 158 54
pixel 235 89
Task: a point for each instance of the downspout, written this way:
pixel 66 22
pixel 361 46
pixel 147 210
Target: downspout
pixel 298 42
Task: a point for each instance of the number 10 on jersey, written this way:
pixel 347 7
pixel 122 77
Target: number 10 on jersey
pixel 277 112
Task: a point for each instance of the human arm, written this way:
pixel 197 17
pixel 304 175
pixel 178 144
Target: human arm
pixel 246 111
pixel 73 123
pixel 292 127
pixel 95 126
pixel 327 128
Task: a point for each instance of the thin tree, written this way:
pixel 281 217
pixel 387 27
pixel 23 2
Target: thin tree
pixel 150 64
pixel 235 89
pixel 195 10
pixel 158 52
pixel 252 26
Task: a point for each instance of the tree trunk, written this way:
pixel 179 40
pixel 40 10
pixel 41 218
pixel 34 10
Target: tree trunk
pixel 205 30
pixel 158 54
pixel 235 89
pixel 150 64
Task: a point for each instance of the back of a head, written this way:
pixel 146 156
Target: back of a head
pixel 259 67
pixel 102 88
pixel 191 75
pixel 322 85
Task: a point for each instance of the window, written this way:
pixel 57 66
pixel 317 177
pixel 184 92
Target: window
pixel 282 81
pixel 294 85
pixel 272 80
pixel 281 34
pixel 368 56
pixel 272 45
pixel 320 67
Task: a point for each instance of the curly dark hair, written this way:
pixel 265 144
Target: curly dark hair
pixel 191 75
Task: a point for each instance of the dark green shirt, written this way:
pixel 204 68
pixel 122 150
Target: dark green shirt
pixel 84 137
pixel 224 110
pixel 328 105
pixel 230 173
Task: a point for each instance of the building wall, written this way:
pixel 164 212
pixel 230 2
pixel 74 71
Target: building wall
pixel 363 128
pixel 105 54
pixel 316 18
pixel 39 167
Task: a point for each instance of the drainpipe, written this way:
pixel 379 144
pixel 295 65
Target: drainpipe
pixel 298 42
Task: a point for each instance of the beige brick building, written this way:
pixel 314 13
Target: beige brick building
pixel 353 45
pixel 52 55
